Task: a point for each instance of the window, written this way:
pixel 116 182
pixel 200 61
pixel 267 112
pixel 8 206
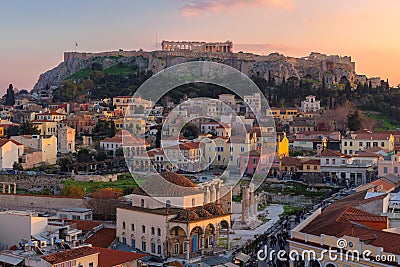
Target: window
pixel 143 245
pixel 351 143
pixel 333 161
pixel 90 264
pixel 385 170
pixel 345 143
pixel 382 144
pixel 375 144
pixel 360 143
pixel 153 248
pixel 142 203
pixel 315 167
pixel 159 232
pixel 132 227
pixel 327 161
pixel 143 229
pixel 368 144
pixel 345 151
pixel 124 240
pixel 152 231
pixel 396 170
pixel 308 167
pixel 176 248
pixel 133 243
pixel 159 249
pixel 123 225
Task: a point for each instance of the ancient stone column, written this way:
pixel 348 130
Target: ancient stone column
pixel 187 244
pixel 4 188
pixel 212 193
pixel 244 205
pixel 202 244
pixel 9 188
pixel 206 195
pixel 15 188
pixel 252 201
pixel 218 191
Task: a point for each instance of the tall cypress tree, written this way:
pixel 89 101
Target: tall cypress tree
pixel 10 96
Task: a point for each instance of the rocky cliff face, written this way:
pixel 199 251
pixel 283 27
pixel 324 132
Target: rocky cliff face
pixel 316 66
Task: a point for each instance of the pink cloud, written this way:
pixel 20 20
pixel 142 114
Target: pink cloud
pixel 195 7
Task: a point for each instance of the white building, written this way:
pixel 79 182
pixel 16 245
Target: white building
pixel 10 151
pixel 175 233
pixel 254 103
pixel 18 225
pixel 341 168
pixel 310 104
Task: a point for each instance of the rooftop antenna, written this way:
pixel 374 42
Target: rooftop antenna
pixel 76 45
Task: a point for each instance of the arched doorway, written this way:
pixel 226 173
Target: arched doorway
pixel 177 241
pixel 209 236
pixel 195 239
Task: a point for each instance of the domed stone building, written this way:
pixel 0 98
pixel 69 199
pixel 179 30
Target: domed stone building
pixel 174 219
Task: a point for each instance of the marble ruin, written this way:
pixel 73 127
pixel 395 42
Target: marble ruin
pixel 201 47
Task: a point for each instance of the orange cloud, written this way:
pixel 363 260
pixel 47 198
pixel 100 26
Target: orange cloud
pixel 195 7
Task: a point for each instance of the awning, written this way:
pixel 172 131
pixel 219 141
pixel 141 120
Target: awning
pixel 9 259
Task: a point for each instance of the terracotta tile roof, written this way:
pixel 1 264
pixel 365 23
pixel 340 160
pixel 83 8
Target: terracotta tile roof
pixel 338 220
pixel 85 225
pixel 5 141
pixel 290 161
pixel 69 255
pixel 384 184
pixel 312 161
pixel 102 238
pixel 377 149
pixel 111 258
pixel 125 138
pixel 332 153
pixel 371 136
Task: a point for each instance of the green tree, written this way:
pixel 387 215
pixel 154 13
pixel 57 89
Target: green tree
pixel 17 166
pixel 190 131
pixel 354 121
pixel 84 155
pixel 65 163
pixel 10 96
pixel 27 127
pixel 73 191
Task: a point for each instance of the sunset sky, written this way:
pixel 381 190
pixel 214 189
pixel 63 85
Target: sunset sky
pixel 34 34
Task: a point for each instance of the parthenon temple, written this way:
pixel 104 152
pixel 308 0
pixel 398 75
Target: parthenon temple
pixel 200 47
pixel 6 188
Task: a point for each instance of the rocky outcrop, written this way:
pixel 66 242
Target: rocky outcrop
pixel 316 66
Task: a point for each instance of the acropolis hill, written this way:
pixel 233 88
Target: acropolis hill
pixel 316 66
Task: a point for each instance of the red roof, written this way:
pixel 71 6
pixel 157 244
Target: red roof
pixel 289 161
pixel 102 238
pixel 124 137
pixel 5 141
pixel 69 255
pixel 111 258
pixel 332 153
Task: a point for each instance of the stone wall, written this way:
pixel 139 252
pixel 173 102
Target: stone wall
pixel 28 182
pixel 39 203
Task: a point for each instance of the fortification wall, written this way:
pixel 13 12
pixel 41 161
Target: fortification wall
pixel 39 203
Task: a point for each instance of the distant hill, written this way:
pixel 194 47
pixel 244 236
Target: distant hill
pixel 316 66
